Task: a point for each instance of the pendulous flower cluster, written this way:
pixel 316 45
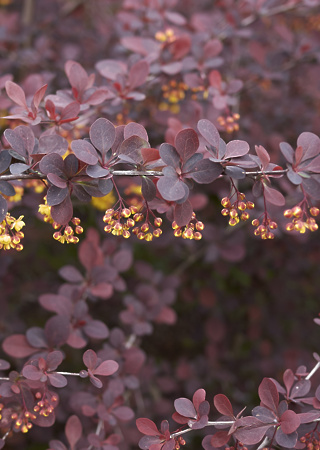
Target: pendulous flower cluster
pixel 236 210
pixel 120 221
pixel 189 231
pixel 10 233
pixel 302 218
pixel 264 228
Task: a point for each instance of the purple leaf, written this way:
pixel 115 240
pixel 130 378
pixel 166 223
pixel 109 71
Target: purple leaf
pixel 169 155
pixel 209 132
pixel 111 68
pixel 286 440
pixel 96 329
pixel 56 195
pixel 186 143
pixel 122 260
pixel 52 163
pixel 5 160
pixel 57 181
pixel 170 186
pixel 132 147
pixel 102 290
pixel 124 413
pixel 310 144
pixel 36 337
pixel 198 398
pixel 223 405
pixel 269 395
pixel 16 93
pixel 56 303
pixel 57 380
pixel 73 430
pixel 146 426
pixel 63 212
pixel 6 188
pixel 301 388
pixel 57 331
pixel 31 372
pixel 290 421
pixel 135 129
pixel 102 135
pixel 288 379
pixel 70 274
pixel 185 407
pixel 148 189
pixel 251 430
pixel 287 151
pixel 107 368
pixel 15 141
pixel 264 414
pixel 138 74
pixel 219 439
pixel 273 196
pixel 236 148
pixel 140 45
pixel 183 213
pixel 17 169
pixel 84 151
pixel 90 359
pixel 312 187
pixel 17 346
pixel 206 171
pixel 4 365
pixel 3 208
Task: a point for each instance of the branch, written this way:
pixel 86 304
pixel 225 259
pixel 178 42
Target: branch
pixel 127 173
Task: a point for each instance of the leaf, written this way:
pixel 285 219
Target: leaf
pixel 52 163
pixel 4 365
pixel 286 440
pixel 38 96
pixel 236 148
pixel 53 144
pixel 310 144
pixel 146 426
pixel 223 405
pixel 131 147
pixel 56 303
pixel 97 171
pixel 57 181
pixel 209 132
pixel 290 421
pixel 135 129
pixel 36 337
pixel 269 395
pixel 3 208
pixel 183 213
pixel 15 141
pixel 102 135
pixel 186 143
pixel 57 380
pixel 143 46
pixel 250 430
pixel 16 93
pixel 220 438
pixel 148 189
pixel 301 388
pixel 124 413
pixel 73 430
pixel 169 155
pixel 56 195
pixel 63 212
pixel 31 372
pixel 235 172
pixel 71 274
pixel 90 359
pixel 185 407
pixel 122 260
pixel 85 151
pixel 7 188
pixel 138 74
pixel 111 68
pixel 77 76
pixel 206 171
pixel 107 368
pixel 102 290
pixel 96 329
pixel 287 151
pixel 273 196
pixel 17 346
pixel 57 330
pixel 263 156
pixel 5 160
pixel 170 186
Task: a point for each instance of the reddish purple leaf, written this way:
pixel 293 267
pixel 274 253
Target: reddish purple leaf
pixel 17 346
pixel 146 426
pixel 38 96
pixel 198 397
pixel 70 274
pixel 73 430
pixel 96 329
pixel 57 181
pixel 263 155
pixel 273 196
pixel 209 132
pixel 85 151
pixel 250 430
pixel 31 372
pixel 236 148
pixel 135 129
pixel 290 421
pixel 77 76
pixel 310 144
pixel 268 394
pixel 140 45
pixel 169 155
pixel 57 331
pixel 185 407
pixel 205 171
pixel 186 143
pixel 288 379
pixel 122 260
pixel 138 74
pixel 57 380
pixel 286 440
pixel 102 134
pixel 16 93
pixel 4 365
pixel 63 212
pixel 102 290
pixel 223 405
pixel 183 213
pixel 148 189
pixel 220 438
pixel 107 368
pixel 124 413
pixel 56 303
pixel 90 359
pixel 111 68
pixel 170 186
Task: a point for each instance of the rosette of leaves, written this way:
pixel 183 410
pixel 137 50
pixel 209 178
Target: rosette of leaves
pixel 184 165
pixel 232 156
pixel 194 413
pixel 304 163
pixel 44 370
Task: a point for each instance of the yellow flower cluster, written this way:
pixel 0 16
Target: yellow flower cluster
pixel 66 234
pixel 237 210
pixel 264 229
pixel 119 223
pixel 189 231
pixel 10 233
pixel 166 36
pixel 22 421
pixel 229 123
pixel 301 220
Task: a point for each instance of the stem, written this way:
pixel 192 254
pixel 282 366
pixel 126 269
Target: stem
pixel 179 433
pixel 4 379
pixel 69 373
pixel 313 371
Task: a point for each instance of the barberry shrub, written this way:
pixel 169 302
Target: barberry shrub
pixel 127 121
